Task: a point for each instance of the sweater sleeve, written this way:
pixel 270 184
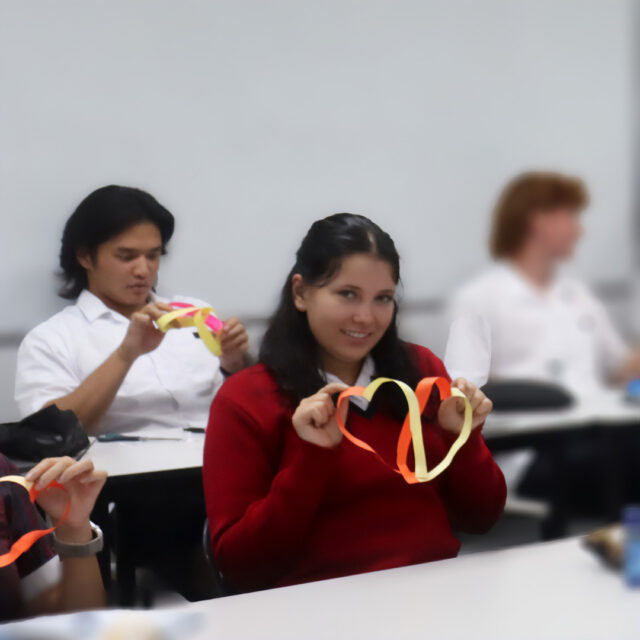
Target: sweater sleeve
pixel 473 487
pixel 258 514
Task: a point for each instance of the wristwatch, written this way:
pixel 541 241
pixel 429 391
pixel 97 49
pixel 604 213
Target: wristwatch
pixel 82 549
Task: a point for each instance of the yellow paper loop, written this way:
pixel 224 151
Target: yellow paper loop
pixel 412 425
pixel 18 480
pixel 198 320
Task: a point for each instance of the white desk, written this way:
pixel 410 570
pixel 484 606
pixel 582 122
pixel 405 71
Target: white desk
pixel 135 470
pixel 151 456
pixel 607 407
pixel 553 590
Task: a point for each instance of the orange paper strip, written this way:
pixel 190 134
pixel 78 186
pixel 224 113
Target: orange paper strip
pixel 26 541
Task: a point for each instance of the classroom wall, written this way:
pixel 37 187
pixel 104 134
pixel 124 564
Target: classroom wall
pixel 250 119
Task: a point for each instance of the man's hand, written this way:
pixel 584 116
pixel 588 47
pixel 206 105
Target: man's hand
pixel 234 343
pixel 143 336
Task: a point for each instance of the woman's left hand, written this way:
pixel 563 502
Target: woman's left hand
pixel 234 343
pixel 451 412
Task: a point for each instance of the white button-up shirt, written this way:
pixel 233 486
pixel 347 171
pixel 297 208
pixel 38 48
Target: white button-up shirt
pixel 504 328
pixel 172 386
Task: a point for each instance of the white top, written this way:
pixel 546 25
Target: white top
pixel 552 590
pixel 172 386
pixel 503 327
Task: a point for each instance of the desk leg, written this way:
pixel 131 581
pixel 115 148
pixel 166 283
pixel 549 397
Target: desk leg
pixel 100 515
pixel 615 446
pixel 555 525
pixel 125 568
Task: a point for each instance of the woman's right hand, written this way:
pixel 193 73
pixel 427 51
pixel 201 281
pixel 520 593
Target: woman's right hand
pixel 143 336
pixel 315 417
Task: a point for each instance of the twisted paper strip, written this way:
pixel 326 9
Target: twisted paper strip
pixel 203 318
pixel 411 431
pixel 26 541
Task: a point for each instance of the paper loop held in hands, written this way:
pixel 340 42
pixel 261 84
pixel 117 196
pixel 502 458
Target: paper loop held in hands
pixel 411 432
pixel 203 318
pixel 26 541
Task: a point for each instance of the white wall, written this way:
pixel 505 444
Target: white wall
pixel 249 119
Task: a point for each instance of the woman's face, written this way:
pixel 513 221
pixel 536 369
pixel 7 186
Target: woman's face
pixel 350 314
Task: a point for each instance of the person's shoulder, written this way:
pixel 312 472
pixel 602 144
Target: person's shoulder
pixel 62 324
pixel 256 376
pixel 479 289
pixel 577 292
pixel 252 396
pixel 427 362
pixel 572 284
pixel 249 388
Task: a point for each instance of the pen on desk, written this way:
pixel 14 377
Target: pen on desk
pixel 194 429
pixel 119 437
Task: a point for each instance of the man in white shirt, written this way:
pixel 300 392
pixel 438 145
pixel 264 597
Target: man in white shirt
pixel 103 357
pixel 522 319
pixel 505 327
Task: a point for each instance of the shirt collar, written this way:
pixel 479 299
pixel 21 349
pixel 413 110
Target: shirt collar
pixel 522 287
pixel 93 308
pixel 364 377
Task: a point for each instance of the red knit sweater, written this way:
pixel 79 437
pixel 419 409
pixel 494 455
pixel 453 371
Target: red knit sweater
pixel 284 511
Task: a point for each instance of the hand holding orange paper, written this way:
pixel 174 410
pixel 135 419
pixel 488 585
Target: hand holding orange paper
pixel 25 542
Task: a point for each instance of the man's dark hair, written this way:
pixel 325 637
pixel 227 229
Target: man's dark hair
pixel 103 214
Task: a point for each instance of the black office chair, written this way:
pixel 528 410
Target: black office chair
pixel 527 395
pixel 222 588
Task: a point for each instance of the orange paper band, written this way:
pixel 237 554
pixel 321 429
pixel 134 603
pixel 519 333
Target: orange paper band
pixel 26 541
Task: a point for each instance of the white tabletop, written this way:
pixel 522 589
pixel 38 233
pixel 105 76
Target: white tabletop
pixel 131 458
pixel 546 590
pixel 148 456
pixel 607 406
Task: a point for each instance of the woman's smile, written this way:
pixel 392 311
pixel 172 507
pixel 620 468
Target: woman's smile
pixel 357 335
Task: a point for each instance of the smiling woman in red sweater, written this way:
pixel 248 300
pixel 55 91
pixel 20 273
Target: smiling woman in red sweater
pixel 290 501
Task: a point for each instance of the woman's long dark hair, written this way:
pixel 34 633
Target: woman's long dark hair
pixel 289 349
